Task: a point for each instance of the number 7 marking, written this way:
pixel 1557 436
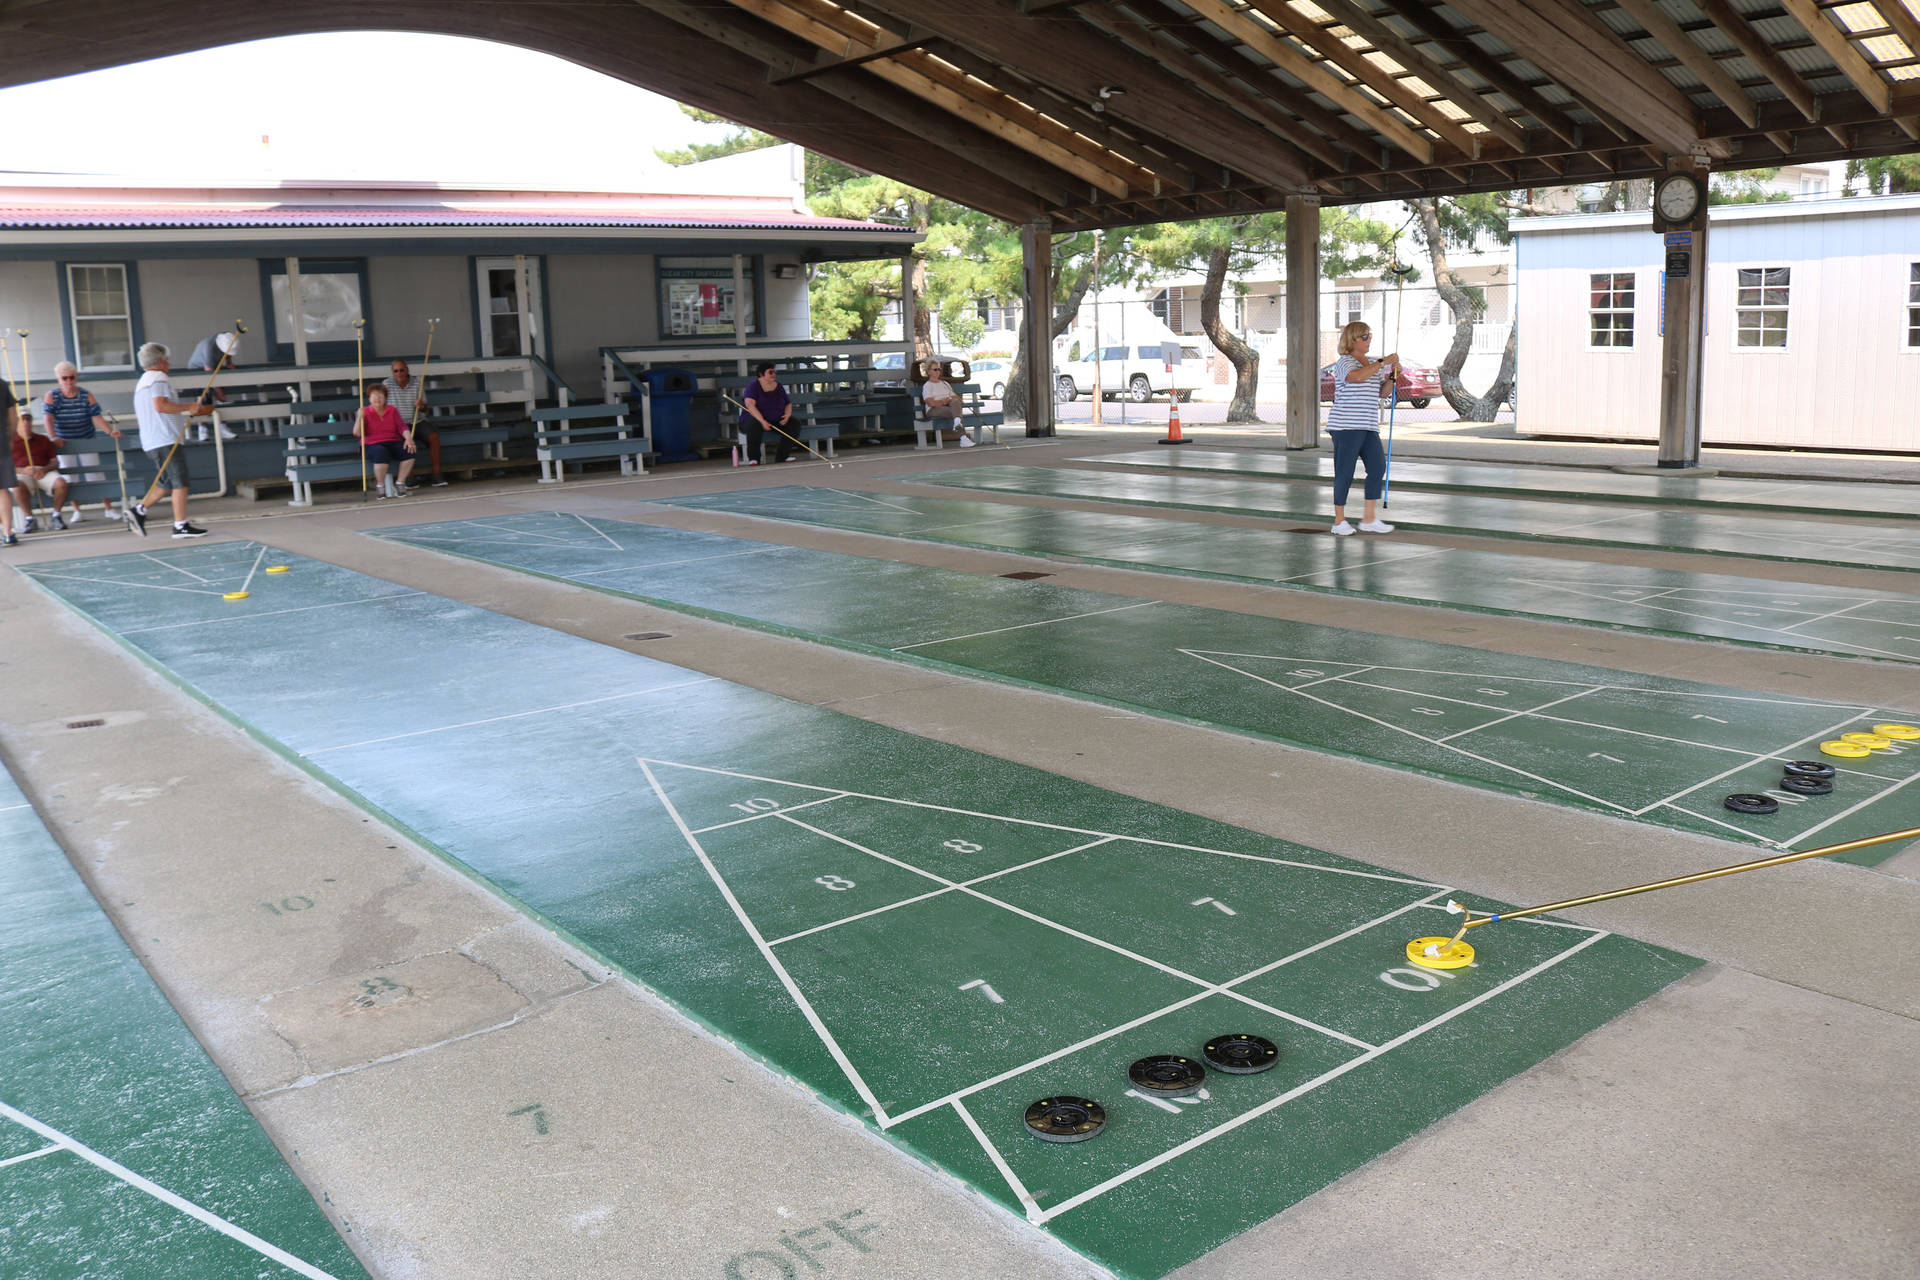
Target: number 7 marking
pixel 1222 907
pixel 985 990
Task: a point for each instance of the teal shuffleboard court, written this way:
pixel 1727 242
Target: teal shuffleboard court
pixel 1633 746
pixel 929 938
pixel 1870 624
pixel 123 1150
pixel 1755 537
pixel 1815 497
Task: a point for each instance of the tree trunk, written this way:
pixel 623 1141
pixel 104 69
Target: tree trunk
pixel 1063 315
pixel 1466 312
pixel 1245 360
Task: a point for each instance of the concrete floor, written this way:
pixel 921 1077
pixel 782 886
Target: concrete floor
pixel 520 1113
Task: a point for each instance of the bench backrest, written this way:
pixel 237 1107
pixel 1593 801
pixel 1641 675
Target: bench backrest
pixel 583 413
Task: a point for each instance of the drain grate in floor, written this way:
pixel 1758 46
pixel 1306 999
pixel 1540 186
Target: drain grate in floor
pixel 648 635
pixel 85 724
pixel 1026 575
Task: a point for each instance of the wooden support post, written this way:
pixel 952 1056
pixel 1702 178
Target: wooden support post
pixel 1303 322
pixel 297 318
pixel 1036 274
pixel 1684 321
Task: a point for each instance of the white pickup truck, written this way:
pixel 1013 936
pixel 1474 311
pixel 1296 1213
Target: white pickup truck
pixel 1137 370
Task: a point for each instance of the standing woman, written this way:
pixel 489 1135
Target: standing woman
pixel 1354 425
pixel 766 406
pixel 380 424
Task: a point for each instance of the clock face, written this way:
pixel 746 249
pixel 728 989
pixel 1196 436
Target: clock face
pixel 1677 197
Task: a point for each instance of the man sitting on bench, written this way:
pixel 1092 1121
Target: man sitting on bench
pixel 942 401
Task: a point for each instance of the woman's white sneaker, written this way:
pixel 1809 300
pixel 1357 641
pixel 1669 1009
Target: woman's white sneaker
pixel 1342 529
pixel 1375 526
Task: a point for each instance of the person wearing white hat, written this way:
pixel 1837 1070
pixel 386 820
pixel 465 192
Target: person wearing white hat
pixel 206 355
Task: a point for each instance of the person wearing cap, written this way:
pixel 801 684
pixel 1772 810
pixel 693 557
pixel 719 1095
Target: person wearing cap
pixel 206 355
pixel 34 467
pixel 72 416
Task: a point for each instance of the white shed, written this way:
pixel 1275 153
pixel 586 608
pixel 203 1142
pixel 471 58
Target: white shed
pixel 1812 325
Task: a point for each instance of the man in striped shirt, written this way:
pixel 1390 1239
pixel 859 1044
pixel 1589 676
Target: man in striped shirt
pixel 403 393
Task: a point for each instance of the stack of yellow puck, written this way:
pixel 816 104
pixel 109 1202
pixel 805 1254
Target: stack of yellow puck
pixel 1852 746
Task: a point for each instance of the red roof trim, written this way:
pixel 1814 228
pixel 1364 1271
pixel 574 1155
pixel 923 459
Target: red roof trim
pixel 163 217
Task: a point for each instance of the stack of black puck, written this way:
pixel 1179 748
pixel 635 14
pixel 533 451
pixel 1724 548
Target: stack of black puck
pixel 1799 777
pixel 1163 1075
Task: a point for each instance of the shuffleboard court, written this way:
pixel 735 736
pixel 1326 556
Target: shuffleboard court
pixel 1754 537
pixel 1832 620
pixel 123 1151
pixel 930 938
pixel 1814 497
pixel 1633 746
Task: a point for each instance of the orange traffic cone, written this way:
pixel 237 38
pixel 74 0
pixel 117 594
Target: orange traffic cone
pixel 1173 423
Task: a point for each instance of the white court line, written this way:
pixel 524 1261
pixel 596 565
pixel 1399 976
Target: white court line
pixel 907 902
pixel 1529 712
pixel 513 715
pixel 269 613
pixel 1366 564
pixel 111 582
pixel 1718 822
pixel 1835 613
pixel 766 953
pixel 1756 758
pixel 32 1155
pixel 877 501
pixel 167 1197
pixel 148 555
pixel 1027 1201
pixel 1088 938
pixel 597 529
pixel 9 808
pixel 770 813
pixel 1444 746
pixel 1265 969
pixel 1247 1117
pixel 836 792
pixel 1857 807
pixel 1044 622
pixel 1784 629
pixel 524 533
pixel 649 565
pixel 253 568
pixel 1359 667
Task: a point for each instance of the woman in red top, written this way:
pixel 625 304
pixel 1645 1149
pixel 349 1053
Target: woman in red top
pixel 388 444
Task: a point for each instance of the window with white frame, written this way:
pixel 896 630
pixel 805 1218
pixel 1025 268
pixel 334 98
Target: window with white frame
pixel 1349 307
pixel 1610 309
pixel 1913 306
pixel 102 316
pixel 1760 316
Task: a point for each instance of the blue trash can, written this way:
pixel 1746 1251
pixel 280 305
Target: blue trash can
pixel 672 393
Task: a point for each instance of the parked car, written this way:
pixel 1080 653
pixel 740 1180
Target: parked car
pixel 894 363
pixel 1418 385
pixel 1137 370
pixel 990 375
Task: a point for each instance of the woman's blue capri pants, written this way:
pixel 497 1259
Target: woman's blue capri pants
pixel 1353 446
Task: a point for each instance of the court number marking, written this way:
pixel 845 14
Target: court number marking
pixel 1218 905
pixel 1422 979
pixel 962 846
pixel 1601 755
pixel 1171 1104
pixel 1493 693
pixel 839 884
pixel 759 804
pixel 985 990
pixel 1428 711
pixel 286 906
pixel 1307 673
pixel 1715 719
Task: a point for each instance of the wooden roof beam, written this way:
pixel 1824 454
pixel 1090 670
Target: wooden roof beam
pixel 1566 41
pixel 1840 48
pixel 1288 58
pixel 1210 80
pixel 1367 72
pixel 1451 87
pixel 1443 34
pixel 1762 55
pixel 1697 60
pixel 1080 61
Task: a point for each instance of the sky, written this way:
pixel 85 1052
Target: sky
pixel 387 106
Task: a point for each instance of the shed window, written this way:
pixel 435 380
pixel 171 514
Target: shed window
pixel 1761 302
pixel 1350 307
pixel 102 318
pixel 1913 307
pixel 1610 309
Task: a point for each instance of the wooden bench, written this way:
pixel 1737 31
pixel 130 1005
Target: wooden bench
pixel 823 400
pixel 467 418
pixel 928 432
pixel 589 433
pixel 320 445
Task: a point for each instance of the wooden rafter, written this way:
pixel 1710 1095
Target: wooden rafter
pixel 1363 69
pixel 1667 32
pixel 1444 82
pixel 1762 55
pixel 848 35
pixel 1840 48
pixel 1488 67
pixel 1288 58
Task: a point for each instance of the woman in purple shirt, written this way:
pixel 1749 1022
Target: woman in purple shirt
pixel 767 407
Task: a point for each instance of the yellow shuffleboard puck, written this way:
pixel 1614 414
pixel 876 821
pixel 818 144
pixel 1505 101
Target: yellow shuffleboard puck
pixel 1440 953
pixel 234 595
pixel 276 568
pixel 1868 740
pixel 1845 750
pixel 1901 732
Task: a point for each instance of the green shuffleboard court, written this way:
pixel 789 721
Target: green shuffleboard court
pixel 1873 624
pixel 929 938
pixel 123 1151
pixel 1814 497
pixel 1634 746
pixel 1754 537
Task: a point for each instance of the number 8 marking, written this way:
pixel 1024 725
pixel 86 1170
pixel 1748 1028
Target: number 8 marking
pixel 961 846
pixel 839 884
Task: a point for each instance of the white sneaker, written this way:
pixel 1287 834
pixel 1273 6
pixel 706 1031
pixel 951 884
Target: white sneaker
pixel 22 522
pixel 226 432
pixel 1375 526
pixel 966 442
pixel 1342 529
pixel 75 517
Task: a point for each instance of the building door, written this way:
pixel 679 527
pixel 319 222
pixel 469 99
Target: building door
pixel 510 305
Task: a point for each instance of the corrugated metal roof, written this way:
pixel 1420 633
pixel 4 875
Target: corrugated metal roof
pixel 162 217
